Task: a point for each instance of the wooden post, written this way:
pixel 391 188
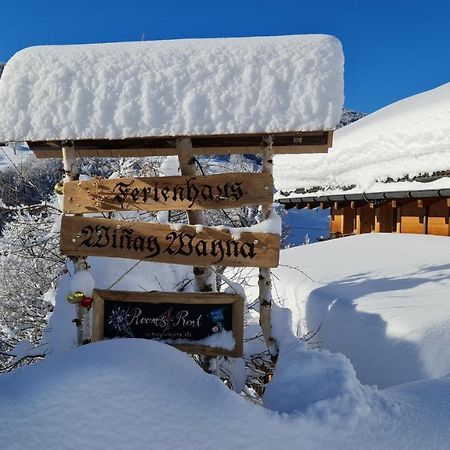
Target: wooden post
pixel 205 279
pixel 264 279
pixel 79 263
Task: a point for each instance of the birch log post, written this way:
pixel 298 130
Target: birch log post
pixel 80 263
pixel 205 279
pixel 264 279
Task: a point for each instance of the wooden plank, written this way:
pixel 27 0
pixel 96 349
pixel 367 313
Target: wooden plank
pixel 337 220
pixel 176 244
pixel 365 219
pixel 413 218
pixel 439 218
pixel 284 143
pixel 204 277
pixel 170 316
pixel 128 153
pixel 231 190
pixel 384 218
pixel 349 220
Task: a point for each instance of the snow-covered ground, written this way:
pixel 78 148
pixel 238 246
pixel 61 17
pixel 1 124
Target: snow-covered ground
pixel 382 300
pixel 135 394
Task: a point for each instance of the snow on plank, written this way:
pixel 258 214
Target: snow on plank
pixel 194 87
pixel 182 244
pixel 231 190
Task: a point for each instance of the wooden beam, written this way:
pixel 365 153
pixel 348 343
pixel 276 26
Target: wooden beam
pixel 398 203
pixel 205 280
pixel 190 192
pixel 378 204
pixel 177 244
pixel 284 143
pixel 426 202
pixel 80 263
pixel 356 204
pixel 325 205
pixel 340 204
pixel 264 278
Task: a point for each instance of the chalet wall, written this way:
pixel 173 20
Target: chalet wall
pixel 417 216
pixel 384 219
pixel 412 219
pixel 438 218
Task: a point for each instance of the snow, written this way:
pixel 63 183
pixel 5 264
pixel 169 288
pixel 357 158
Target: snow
pixel 177 87
pixel 13 156
pixel 406 139
pixel 385 310
pixel 82 281
pixel 416 188
pixel 270 225
pixel 108 273
pixel 319 384
pixel 140 394
pixel 223 339
pixel 381 300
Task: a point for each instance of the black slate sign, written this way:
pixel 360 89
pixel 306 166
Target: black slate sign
pixel 165 320
pixel 180 319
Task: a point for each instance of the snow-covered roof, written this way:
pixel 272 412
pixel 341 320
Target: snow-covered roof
pixel 401 141
pixel 169 88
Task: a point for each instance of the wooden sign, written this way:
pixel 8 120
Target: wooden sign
pixel 176 244
pixel 231 190
pixel 208 324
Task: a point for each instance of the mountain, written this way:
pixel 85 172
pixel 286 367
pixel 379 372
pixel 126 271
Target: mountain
pixel 349 116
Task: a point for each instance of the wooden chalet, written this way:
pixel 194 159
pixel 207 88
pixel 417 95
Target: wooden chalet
pixel 425 211
pixel 388 172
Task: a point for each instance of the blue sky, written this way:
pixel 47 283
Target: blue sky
pixel 393 49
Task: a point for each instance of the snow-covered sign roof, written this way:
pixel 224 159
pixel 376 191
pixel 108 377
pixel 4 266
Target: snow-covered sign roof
pixel 404 140
pixel 171 88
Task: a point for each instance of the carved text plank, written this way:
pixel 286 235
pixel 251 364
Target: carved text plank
pixel 177 244
pixel 231 190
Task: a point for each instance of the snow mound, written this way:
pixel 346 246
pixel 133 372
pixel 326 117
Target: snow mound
pixel 317 384
pixel 406 139
pixel 107 273
pixel 166 88
pixel 129 393
pixel 138 394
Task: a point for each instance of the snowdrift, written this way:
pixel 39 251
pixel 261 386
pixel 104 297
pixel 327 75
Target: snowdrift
pixel 381 299
pixel 406 139
pixel 139 394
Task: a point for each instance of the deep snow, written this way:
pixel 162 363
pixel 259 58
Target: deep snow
pixel 387 312
pixel 177 87
pixel 137 394
pixel 406 139
pixel 382 300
